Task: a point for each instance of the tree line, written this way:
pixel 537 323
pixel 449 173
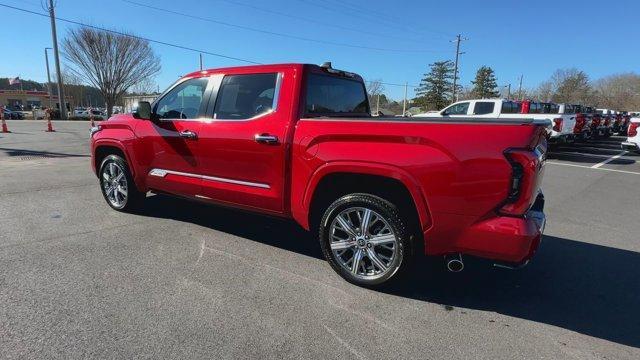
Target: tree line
pixel 617 92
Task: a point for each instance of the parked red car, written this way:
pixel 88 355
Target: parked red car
pixel 298 141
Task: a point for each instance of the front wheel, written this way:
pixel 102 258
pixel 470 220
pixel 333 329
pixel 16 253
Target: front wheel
pixel 365 240
pixel 117 185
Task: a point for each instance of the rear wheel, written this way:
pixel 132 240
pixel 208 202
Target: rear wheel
pixel 117 185
pixel 365 240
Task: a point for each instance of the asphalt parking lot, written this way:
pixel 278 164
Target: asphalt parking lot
pixel 185 280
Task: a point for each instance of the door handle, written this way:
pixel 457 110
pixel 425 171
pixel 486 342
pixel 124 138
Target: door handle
pixel 266 139
pixel 188 134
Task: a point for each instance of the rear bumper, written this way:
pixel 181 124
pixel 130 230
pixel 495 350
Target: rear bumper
pixel 508 240
pixel 629 146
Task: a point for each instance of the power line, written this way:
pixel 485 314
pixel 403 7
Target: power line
pixel 392 84
pixel 133 36
pixel 312 21
pixel 357 12
pixel 248 28
pixel 159 42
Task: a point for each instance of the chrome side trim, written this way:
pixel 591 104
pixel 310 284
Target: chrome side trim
pixel 162 173
pixel 237 182
pixel 158 173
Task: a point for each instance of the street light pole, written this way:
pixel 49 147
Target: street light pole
pixel 46 59
pixel 56 55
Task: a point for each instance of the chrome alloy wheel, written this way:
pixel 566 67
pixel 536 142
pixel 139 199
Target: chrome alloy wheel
pixel 114 184
pixel 363 242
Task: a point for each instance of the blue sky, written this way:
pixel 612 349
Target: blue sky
pixel 533 38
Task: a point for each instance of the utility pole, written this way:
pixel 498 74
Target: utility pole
pixel 404 103
pixel 508 86
pixel 200 61
pixel 458 40
pixel 56 55
pixel 378 105
pixel 520 88
pixel 46 59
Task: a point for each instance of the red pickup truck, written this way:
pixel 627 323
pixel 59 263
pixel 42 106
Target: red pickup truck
pixel 298 141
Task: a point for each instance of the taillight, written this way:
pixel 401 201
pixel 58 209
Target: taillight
pixel 633 129
pixel 526 174
pixel 557 124
pixel 580 122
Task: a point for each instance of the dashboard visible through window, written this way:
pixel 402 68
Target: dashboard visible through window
pixel 183 101
pixel 457 109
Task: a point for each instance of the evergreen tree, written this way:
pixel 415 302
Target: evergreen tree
pixel 485 86
pixel 435 87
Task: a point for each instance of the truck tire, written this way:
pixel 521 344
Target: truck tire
pixel 117 186
pixel 365 240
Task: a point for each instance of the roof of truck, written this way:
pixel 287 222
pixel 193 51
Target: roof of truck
pixel 261 67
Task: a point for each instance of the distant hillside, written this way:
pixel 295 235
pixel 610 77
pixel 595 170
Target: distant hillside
pixel 26 85
pixel 82 94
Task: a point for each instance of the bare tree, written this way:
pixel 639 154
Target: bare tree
pixel 572 86
pixel 543 92
pixel 619 92
pixel 146 86
pixel 111 62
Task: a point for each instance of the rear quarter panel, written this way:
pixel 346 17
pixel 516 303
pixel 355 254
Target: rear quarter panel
pixel 456 173
pixel 449 167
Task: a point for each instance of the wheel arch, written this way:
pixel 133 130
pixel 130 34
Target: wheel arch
pixel 105 147
pixel 391 183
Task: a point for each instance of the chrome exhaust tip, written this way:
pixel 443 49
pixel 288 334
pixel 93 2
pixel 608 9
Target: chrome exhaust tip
pixel 454 262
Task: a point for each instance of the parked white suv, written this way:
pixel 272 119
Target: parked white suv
pixel 633 136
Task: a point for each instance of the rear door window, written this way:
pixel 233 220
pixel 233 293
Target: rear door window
pixel 483 108
pixel 246 96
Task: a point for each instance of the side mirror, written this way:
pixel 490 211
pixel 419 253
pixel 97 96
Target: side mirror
pixel 143 111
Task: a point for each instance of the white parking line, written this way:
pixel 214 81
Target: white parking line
pixel 578 154
pixel 591 167
pixel 596 166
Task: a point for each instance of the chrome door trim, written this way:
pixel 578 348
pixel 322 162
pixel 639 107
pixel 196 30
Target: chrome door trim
pixel 162 173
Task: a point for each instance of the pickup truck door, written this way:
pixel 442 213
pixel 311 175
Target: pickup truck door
pixel 243 145
pixel 168 145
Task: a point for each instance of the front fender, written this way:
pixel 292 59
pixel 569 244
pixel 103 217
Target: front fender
pixel 120 138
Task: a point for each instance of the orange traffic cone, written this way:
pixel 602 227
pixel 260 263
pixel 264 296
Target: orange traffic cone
pixel 4 123
pixel 4 126
pixel 49 126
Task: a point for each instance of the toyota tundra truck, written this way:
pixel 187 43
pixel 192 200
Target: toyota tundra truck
pixel 298 141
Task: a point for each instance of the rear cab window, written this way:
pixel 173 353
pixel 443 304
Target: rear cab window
pixel 334 96
pixel 510 107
